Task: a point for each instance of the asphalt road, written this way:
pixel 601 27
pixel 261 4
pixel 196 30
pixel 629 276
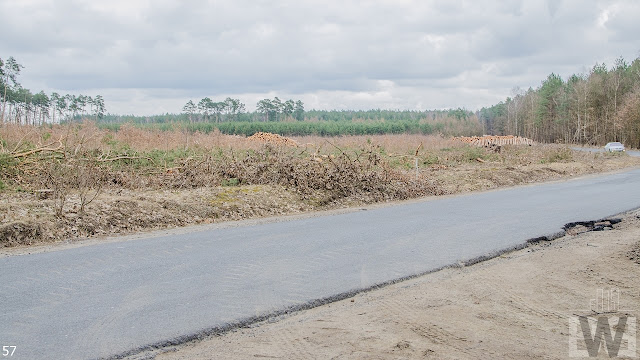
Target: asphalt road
pixel 108 299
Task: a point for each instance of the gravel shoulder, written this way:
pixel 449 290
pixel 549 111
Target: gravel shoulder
pixel 516 306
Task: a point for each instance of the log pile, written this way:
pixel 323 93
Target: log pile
pixel 493 140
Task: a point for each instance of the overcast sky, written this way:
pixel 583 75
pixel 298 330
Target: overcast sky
pixel 150 57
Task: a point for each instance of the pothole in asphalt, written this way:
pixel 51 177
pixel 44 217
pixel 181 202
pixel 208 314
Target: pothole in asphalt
pixel 579 227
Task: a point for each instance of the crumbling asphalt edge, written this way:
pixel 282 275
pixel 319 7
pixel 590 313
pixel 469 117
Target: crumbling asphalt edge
pixel 150 351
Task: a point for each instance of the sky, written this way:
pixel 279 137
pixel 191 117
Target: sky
pixel 150 57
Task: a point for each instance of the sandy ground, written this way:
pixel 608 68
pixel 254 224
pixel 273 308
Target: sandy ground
pixel 516 306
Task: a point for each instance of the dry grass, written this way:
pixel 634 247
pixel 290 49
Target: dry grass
pixel 65 182
pixel 405 144
pixel 94 138
pixel 147 140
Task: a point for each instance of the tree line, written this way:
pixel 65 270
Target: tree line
pixel 234 110
pixel 374 115
pixel 275 110
pixel 318 122
pixel 269 110
pixel 592 108
pixel 318 128
pixel 21 106
pixel 208 110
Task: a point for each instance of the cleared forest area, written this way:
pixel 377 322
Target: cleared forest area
pixel 72 181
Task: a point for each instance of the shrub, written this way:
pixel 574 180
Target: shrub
pixel 563 154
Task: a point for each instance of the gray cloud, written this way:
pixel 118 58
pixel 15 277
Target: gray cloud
pixel 429 54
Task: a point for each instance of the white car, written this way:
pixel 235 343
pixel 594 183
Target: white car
pixel 614 146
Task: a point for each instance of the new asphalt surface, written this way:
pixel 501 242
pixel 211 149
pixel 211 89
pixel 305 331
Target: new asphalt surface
pixel 118 298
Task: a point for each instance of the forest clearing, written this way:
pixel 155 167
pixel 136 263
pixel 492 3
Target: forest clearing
pixel 63 182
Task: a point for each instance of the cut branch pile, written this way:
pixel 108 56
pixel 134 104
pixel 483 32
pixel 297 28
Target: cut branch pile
pixel 274 139
pixel 363 177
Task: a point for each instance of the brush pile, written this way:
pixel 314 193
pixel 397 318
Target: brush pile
pixel 275 139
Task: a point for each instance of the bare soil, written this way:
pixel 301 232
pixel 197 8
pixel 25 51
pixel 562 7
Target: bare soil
pixel 516 306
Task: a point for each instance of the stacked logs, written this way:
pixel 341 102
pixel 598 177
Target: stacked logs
pixel 494 140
